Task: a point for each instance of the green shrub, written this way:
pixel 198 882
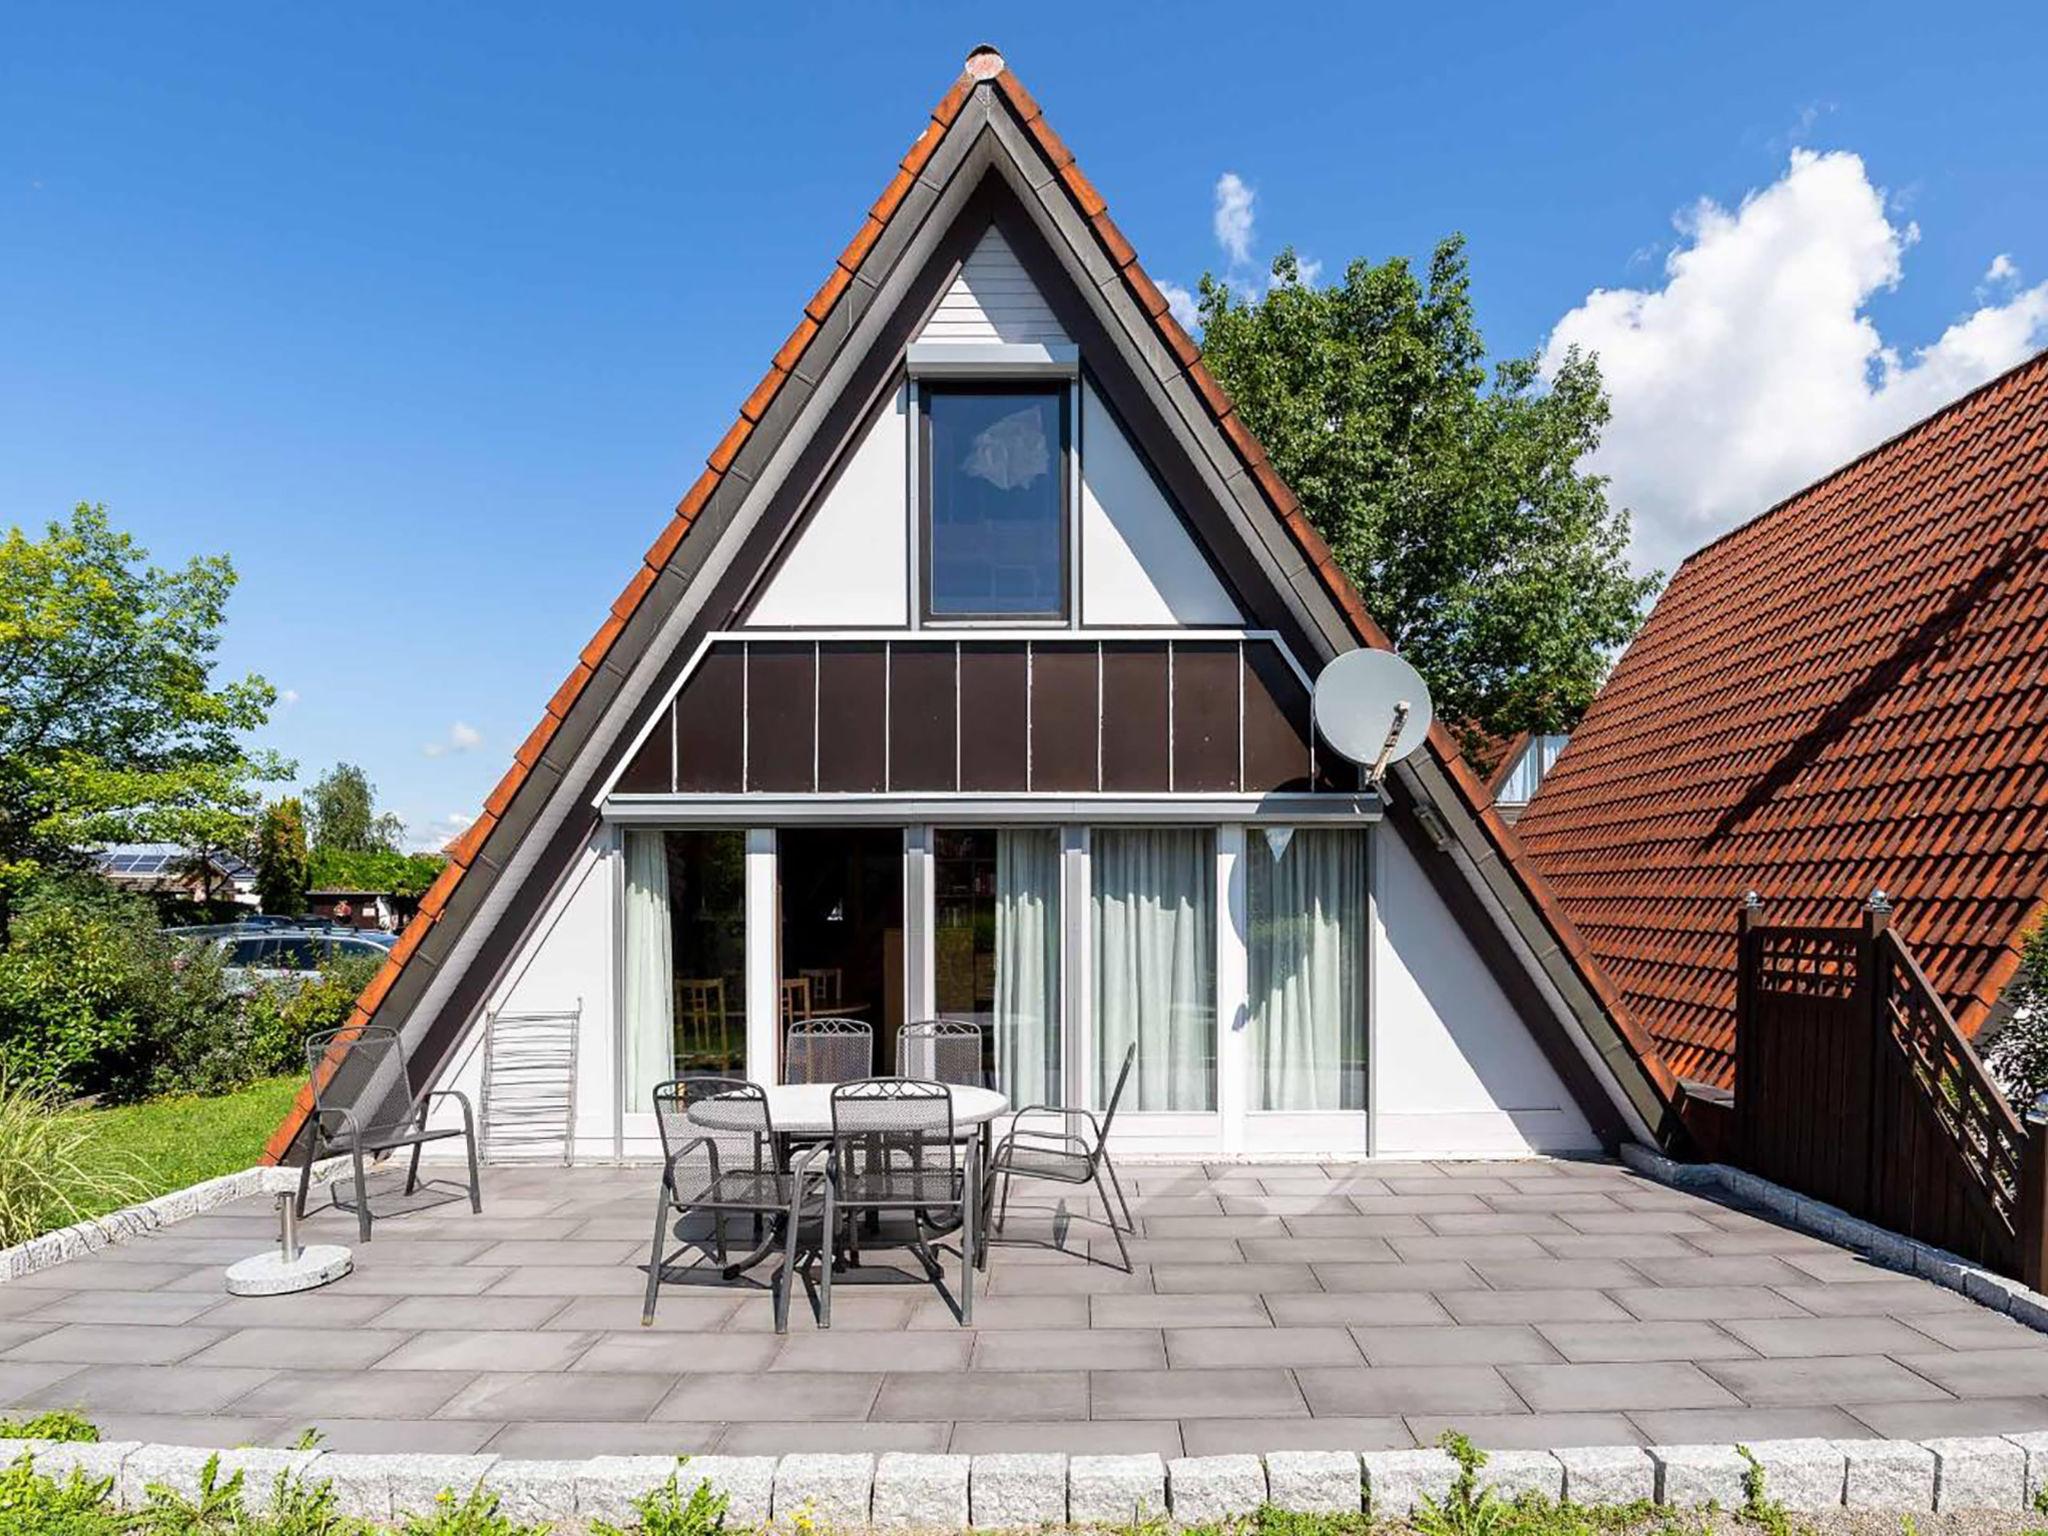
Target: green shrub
pixel 667 1512
pixel 77 1506
pixel 60 1424
pixel 53 1171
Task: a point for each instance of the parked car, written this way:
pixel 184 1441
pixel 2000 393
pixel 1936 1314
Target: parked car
pixel 266 950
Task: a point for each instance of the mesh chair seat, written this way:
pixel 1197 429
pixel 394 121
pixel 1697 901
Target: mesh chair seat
pixel 899 1186
pixel 746 1189
pixel 1044 1162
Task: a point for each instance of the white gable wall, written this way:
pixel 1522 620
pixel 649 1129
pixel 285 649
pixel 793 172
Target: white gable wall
pixel 993 300
pixel 1457 1072
pixel 1139 563
pixel 851 560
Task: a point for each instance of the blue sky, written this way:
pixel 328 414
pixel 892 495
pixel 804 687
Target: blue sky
pixel 427 315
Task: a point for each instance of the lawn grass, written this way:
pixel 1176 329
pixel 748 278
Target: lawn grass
pixel 169 1143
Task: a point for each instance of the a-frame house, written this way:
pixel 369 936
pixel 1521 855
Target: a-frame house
pixel 972 679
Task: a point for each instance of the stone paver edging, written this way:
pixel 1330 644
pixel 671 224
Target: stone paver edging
pixel 1882 1245
pixel 133 1221
pixel 900 1491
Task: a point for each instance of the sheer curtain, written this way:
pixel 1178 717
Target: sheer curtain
pixel 1307 941
pixel 1027 1020
pixel 1155 965
pixel 650 970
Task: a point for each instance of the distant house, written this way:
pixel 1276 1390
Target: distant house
pixel 1520 772
pixel 972 678
pixel 361 908
pixel 1848 693
pixel 171 870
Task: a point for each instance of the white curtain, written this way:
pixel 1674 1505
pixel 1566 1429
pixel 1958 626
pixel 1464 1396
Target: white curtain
pixel 650 971
pixel 1308 969
pixel 1155 966
pixel 1027 1018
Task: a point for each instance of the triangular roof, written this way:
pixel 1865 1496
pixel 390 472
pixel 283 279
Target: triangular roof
pixel 986 131
pixel 1848 693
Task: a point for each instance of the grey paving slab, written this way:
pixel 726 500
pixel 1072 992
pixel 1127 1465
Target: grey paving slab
pixel 32 1380
pixel 1798 1337
pixel 838 1437
pixel 1195 1394
pixel 1651 1245
pixel 1001 1314
pixel 1476 1344
pixel 1875 1298
pixel 1974 1329
pixel 1739 1269
pixel 477 1312
pixel 1424 1250
pixel 875 1351
pixel 1541 1306
pixel 1380 1391
pixel 1080 1437
pixel 1549 1274
pixel 329 1308
pixel 601 1395
pixel 114 1344
pixel 212 1431
pixel 1409 1207
pixel 780 1395
pixel 425 1437
pixel 1722 1426
pixel 1227 1437
pixel 1496 1222
pixel 1970 1416
pixel 1317 1250
pixel 159 1307
pixel 318 1348
pixel 486 1350
pixel 1189 1310
pixel 1982 1372
pixel 1596 1342
pixel 1205 1348
pixel 353 1394
pixel 1239 1279
pixel 1357 1225
pixel 1620 1387
pixel 648 1351
pixel 1005 1395
pixel 1704 1302
pixel 555 1439
pixel 147 1388
pixel 1846 1380
pixel 1438 1276
pixel 1389 1308
pixel 1078 1349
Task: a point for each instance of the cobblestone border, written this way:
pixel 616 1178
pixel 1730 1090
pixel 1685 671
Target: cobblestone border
pixel 899 1491
pixel 1881 1245
pixel 133 1221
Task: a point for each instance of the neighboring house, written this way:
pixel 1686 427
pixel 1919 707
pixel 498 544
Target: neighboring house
pixel 1848 693
pixel 1515 780
pixel 361 907
pixel 972 679
pixel 173 870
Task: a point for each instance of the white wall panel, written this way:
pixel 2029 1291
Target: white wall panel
pixel 993 300
pixel 1457 1072
pixel 851 560
pixel 1139 563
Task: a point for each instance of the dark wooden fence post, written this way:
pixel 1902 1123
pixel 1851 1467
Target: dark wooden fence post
pixel 1748 1071
pixel 2033 1209
pixel 1870 993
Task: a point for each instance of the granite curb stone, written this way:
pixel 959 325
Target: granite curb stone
pixel 1396 1481
pixel 608 1486
pixel 1978 1472
pixel 1214 1487
pixel 1802 1474
pixel 1316 1482
pixel 1513 1473
pixel 1017 1490
pixel 532 1492
pixel 1108 1490
pixel 181 1468
pixel 1607 1474
pixel 1888 1474
pixel 832 1490
pixel 920 1492
pixel 1689 1475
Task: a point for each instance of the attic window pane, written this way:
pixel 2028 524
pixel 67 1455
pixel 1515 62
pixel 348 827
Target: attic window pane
pixel 995 500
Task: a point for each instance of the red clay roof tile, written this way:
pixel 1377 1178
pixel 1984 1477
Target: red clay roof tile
pixel 1849 692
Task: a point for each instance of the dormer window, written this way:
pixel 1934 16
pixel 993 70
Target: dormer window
pixel 993 488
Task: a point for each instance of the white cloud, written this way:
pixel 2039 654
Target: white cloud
pixel 461 737
pixel 436 832
pixel 2003 269
pixel 1182 303
pixel 287 697
pixel 1234 216
pixel 1756 367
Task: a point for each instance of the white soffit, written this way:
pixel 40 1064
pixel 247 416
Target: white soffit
pixel 993 300
pixel 851 560
pixel 1139 562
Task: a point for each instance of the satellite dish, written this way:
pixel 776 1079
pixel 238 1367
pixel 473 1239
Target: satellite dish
pixel 1372 707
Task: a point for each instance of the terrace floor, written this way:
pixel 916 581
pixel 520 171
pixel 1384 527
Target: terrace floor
pixel 1355 1306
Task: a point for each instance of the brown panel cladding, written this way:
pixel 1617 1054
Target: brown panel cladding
pixel 1205 716
pixel 994 709
pixel 781 716
pixel 922 702
pixel 652 769
pixel 710 724
pixel 1135 719
pixel 1066 718
pixel 1276 722
pixel 853 717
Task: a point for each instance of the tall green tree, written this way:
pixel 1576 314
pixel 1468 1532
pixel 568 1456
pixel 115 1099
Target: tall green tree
pixel 281 857
pixel 345 815
pixel 112 725
pixel 1450 493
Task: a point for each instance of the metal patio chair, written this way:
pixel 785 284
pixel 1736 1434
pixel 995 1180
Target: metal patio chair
pixel 828 1050
pixel 719 1156
pixel 894 1148
pixel 366 1102
pixel 942 1051
pixel 1029 1150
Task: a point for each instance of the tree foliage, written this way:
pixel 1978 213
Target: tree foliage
pixel 112 727
pixel 2018 1058
pixel 345 815
pixel 1450 497
pixel 393 874
pixel 281 857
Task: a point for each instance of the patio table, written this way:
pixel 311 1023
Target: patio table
pixel 805 1109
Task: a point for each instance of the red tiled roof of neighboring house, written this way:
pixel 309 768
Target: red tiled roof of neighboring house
pixel 984 64
pixel 1849 693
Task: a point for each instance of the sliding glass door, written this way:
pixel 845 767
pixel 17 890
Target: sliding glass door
pixel 996 940
pixel 1305 937
pixel 1152 941
pixel 684 959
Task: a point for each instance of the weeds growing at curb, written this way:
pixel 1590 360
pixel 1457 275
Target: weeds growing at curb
pixel 59 1424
